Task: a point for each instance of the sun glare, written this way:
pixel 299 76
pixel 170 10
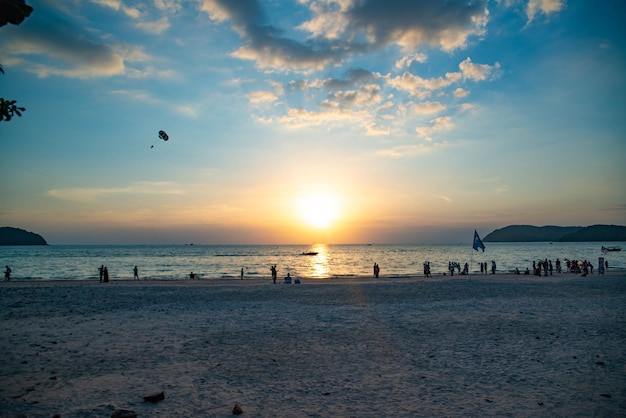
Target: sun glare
pixel 319 210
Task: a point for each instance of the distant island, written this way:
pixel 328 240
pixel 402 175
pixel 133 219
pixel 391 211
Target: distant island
pixel 529 233
pixel 17 236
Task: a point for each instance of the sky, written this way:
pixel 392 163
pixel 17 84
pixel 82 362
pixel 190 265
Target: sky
pixel 312 121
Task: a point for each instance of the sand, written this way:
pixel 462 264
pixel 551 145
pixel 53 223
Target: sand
pixel 500 346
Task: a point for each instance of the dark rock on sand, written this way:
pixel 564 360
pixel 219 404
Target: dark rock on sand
pixel 124 413
pixel 154 397
pixel 237 410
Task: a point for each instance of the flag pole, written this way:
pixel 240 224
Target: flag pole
pixel 476 244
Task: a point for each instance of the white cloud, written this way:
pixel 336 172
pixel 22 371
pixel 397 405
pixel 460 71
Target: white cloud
pixel 436 125
pixel 260 97
pixel 119 5
pixel 79 194
pixel 329 21
pixel 170 6
pixel 476 72
pixel 341 29
pixel 375 130
pixel 460 93
pixel 421 87
pixel 546 7
pixel 365 96
pixel 406 61
pixel 405 150
pixel 299 118
pixel 428 108
pixel 155 27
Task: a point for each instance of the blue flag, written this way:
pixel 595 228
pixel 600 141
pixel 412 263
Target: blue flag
pixel 477 242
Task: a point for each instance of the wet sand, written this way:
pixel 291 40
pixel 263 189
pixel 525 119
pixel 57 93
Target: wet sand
pixel 498 345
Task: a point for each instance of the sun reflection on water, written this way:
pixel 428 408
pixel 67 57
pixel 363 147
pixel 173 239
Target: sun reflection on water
pixel 319 264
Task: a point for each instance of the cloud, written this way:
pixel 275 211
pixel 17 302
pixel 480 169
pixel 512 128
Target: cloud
pixel 460 93
pixel 366 95
pixel 147 97
pixel 438 124
pixel 329 19
pixel 264 43
pixel 95 60
pixel 477 72
pixel 405 150
pixel 263 96
pixel 71 51
pixel 260 97
pixel 299 118
pixel 338 30
pixel 118 5
pixel 406 61
pixel 422 87
pixel 428 108
pixel 156 27
pixel 343 28
pixel 79 194
pixel 374 129
pixel 187 110
pixel 546 7
pixel 413 24
pixel 353 76
pixel 169 6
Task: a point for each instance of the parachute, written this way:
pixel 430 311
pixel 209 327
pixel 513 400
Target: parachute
pixel 163 136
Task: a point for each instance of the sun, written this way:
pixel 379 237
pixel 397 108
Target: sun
pixel 319 210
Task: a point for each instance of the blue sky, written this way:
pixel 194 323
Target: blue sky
pixel 305 121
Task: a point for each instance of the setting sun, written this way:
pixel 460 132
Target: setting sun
pixel 319 210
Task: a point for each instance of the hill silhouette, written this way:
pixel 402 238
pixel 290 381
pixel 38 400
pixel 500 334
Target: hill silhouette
pixel 530 233
pixel 17 236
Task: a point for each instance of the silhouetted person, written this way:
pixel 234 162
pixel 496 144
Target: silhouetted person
pixel 7 274
pixel 106 275
pixel 101 271
pixel 136 273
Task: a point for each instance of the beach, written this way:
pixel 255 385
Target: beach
pixel 483 345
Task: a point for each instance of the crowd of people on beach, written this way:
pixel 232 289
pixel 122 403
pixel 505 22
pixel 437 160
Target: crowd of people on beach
pixel 546 268
pixel 543 267
pixel 454 266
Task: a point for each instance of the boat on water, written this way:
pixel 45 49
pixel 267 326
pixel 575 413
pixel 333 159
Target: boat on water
pixel 310 253
pixel 610 249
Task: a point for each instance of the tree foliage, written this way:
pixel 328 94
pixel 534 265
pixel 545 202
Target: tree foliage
pixel 14 12
pixel 8 109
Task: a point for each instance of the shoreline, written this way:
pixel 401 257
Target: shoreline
pixel 216 281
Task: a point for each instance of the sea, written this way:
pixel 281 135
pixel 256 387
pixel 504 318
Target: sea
pixel 176 262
